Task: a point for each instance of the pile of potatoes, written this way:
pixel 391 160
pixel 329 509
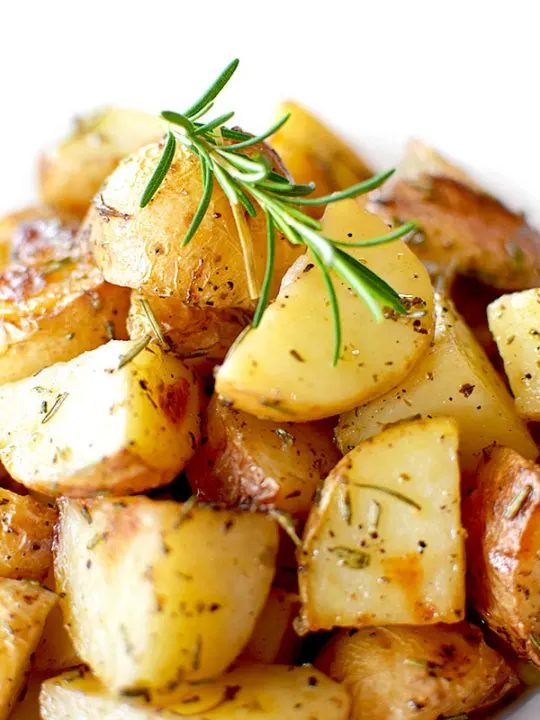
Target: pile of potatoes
pixel 201 519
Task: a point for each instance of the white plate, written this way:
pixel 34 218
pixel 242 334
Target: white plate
pixel 462 76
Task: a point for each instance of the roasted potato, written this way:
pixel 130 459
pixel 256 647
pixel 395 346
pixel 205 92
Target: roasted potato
pixel 462 227
pixel 257 692
pixel 455 379
pixel 26 534
pixel 155 592
pixel 27 705
pixel 282 370
pixel 274 639
pixel 514 321
pixel 502 517
pixel 119 419
pixel 54 652
pixel 385 544
pixel 417 673
pixel 244 460
pixel 72 173
pixel 142 247
pixel 24 607
pixel 312 152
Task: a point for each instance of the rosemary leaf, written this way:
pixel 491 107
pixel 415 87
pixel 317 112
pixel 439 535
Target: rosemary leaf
pixel 214 90
pixel 374 516
pixel 161 170
pixel 135 350
pixel 383 239
pixel 388 491
pixel 351 192
pixel 517 503
pixel 351 558
pixel 156 327
pixel 60 399
pixel 259 138
pixel 208 186
pixel 269 271
pixel 286 522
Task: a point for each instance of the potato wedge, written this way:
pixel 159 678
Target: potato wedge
pixel 157 592
pixel 274 639
pixel 54 652
pixel 142 247
pixel 26 534
pixel 312 152
pixel 502 518
pixel 464 229
pixel 244 460
pixel 385 544
pixel 72 173
pixel 454 379
pixel 141 422
pixel 249 692
pixel 417 673
pixel 200 336
pixel 282 370
pixel 514 321
pixel 27 705
pixel 24 607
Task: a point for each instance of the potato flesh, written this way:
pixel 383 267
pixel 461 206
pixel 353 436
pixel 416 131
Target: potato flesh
pixel 274 639
pixel 282 370
pixel 369 557
pixel 514 321
pixel 24 607
pixel 417 673
pixel 142 247
pixel 246 460
pixel 26 534
pixel 145 610
pixel 249 692
pixel 454 379
pixel 117 430
pixel 502 517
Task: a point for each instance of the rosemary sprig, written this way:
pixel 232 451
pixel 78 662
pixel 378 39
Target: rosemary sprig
pixel 249 182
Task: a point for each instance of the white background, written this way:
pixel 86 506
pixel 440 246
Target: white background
pixel 464 76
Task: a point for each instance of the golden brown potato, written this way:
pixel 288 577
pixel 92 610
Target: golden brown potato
pixel 502 518
pixel 254 692
pixel 72 173
pixel 141 247
pixel 417 673
pixel 282 370
pixel 463 229
pixel 514 321
pixel 26 534
pixel 27 705
pixel 244 460
pixel 312 152
pixel 274 639
pixel 120 419
pixel 385 545
pixel 155 592
pixel 24 607
pixel 54 302
pixel 455 379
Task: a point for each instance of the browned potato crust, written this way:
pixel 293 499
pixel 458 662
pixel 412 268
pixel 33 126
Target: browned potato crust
pixel 142 247
pixel 28 221
pixel 246 460
pixel 462 227
pixel 502 517
pixel 312 152
pixel 72 173
pixel 421 673
pixel 26 534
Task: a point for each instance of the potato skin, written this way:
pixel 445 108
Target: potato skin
pixel 421 673
pixel 463 228
pixel 72 173
pixel 26 535
pixel 502 517
pixel 244 460
pixel 141 247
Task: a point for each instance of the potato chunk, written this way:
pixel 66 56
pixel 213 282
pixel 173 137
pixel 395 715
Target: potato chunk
pixel 245 460
pixel 24 607
pixel 249 692
pixel 464 229
pixel 417 673
pixel 312 152
pixel 26 534
pixel 454 379
pixel 514 321
pixel 502 517
pixel 283 371
pixel 101 423
pixel 157 592
pixel 72 173
pixel 385 544
pixel 142 247
pixel 274 639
